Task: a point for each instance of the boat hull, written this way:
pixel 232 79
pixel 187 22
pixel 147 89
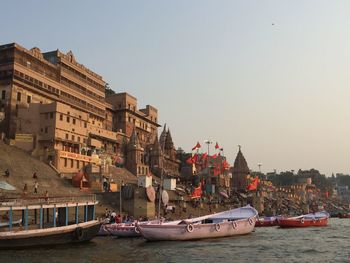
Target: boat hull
pixel 81 232
pixel 344 215
pixel 119 230
pixel 266 222
pixel 182 232
pixel 289 223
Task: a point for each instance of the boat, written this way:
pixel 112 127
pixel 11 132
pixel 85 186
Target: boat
pixel 123 229
pixel 233 222
pixel 344 215
pixel 317 219
pixel 119 230
pixel 267 221
pixel 46 221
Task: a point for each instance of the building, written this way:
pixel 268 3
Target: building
pixel 56 108
pixel 240 172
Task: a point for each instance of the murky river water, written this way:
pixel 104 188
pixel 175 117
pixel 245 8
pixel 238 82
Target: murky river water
pixel 329 244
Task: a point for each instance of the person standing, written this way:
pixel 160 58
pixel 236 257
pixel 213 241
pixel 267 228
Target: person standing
pixel 25 189
pixel 36 184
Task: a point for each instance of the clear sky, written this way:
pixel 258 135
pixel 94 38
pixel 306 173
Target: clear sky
pixel 272 76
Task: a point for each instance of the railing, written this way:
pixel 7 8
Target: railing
pixel 5 202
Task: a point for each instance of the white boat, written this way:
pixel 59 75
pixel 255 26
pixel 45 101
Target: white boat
pixel 123 229
pixel 119 230
pixel 233 222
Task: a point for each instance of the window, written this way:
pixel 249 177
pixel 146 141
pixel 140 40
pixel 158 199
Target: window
pixel 67 136
pixel 29 99
pixel 65 162
pixel 3 94
pixel 77 164
pixel 85 124
pixel 78 139
pixel 73 121
pixel 68 119
pixel 46 129
pixel 61 117
pixel 51 115
pixel 71 163
pixel 19 96
pixel 73 137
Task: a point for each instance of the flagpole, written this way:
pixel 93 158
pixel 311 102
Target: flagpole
pixel 161 183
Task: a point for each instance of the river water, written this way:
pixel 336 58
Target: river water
pixel 270 244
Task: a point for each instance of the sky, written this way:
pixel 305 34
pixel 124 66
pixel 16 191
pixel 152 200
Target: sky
pixel 271 76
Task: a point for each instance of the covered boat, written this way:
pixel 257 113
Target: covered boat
pixel 233 222
pixel 46 221
pixel 312 219
pixel 267 221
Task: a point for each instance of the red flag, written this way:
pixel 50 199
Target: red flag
pixel 214 156
pixel 192 159
pixel 197 192
pixel 217 169
pixel 226 164
pixel 196 147
pixel 217 145
pixel 253 185
pixel 204 156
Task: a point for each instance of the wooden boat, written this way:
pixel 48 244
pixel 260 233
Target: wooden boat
pixel 119 230
pixel 267 221
pixel 314 219
pixel 233 222
pixel 123 229
pixel 46 222
pixel 344 215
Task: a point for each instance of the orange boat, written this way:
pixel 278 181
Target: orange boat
pixel 314 219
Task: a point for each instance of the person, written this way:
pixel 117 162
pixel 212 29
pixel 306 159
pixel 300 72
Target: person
pixel 47 196
pixel 25 189
pixel 113 216
pixel 35 176
pixel 7 173
pixel 36 184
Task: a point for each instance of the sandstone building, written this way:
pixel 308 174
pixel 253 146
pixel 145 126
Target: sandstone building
pixel 57 109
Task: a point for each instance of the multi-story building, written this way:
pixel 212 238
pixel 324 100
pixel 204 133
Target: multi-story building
pixel 57 109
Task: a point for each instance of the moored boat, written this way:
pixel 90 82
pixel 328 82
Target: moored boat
pixel 119 230
pixel 267 221
pixel 317 219
pixel 233 222
pixel 344 215
pixel 47 222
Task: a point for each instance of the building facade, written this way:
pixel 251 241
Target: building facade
pixel 240 173
pixel 57 109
